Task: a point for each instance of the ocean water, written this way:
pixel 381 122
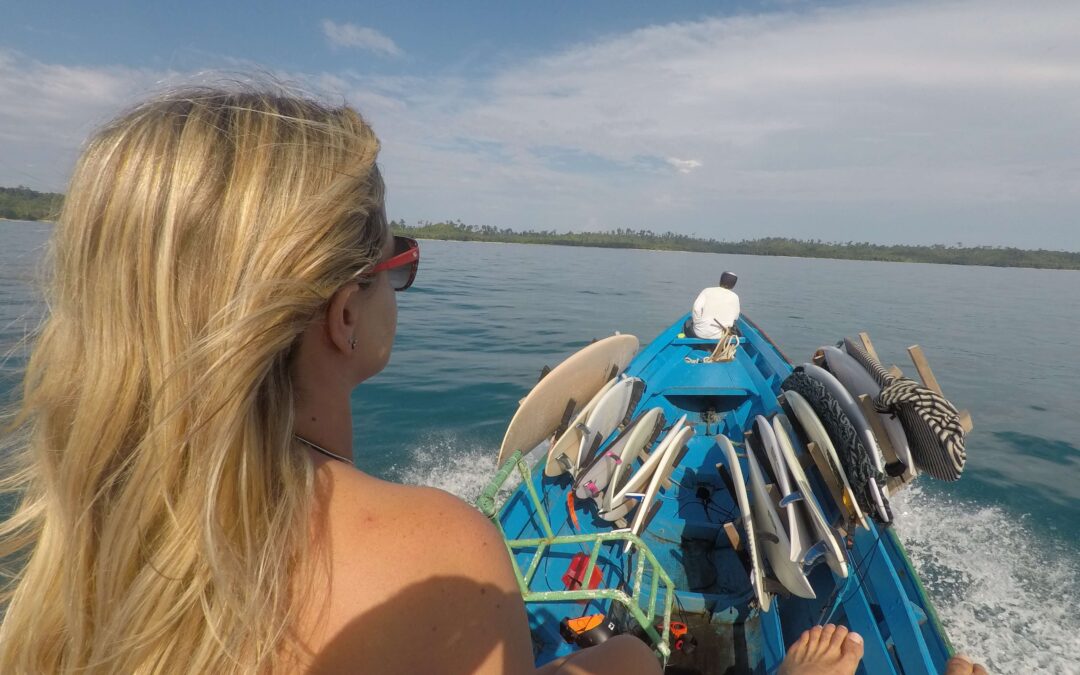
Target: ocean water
pixel 998 550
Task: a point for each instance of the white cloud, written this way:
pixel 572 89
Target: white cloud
pixel 361 37
pixel 916 121
pixel 46 110
pixel 684 165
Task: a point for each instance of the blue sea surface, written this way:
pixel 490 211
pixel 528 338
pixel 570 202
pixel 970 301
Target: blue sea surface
pixel 998 550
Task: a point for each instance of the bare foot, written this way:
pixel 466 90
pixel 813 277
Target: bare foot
pixel 824 650
pixel 961 664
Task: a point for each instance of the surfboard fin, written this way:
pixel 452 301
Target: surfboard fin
pixel 769 537
pixel 813 553
pixel 796 496
pixel 776 588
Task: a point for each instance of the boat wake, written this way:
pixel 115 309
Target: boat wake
pixel 1004 594
pixel 450 463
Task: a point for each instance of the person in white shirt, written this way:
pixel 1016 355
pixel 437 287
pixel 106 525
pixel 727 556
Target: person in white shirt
pixel 715 310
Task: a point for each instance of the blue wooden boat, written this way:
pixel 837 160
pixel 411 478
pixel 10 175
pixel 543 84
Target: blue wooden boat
pixel 684 569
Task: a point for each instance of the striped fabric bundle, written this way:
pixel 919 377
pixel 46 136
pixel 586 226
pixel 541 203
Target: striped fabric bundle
pixel 931 422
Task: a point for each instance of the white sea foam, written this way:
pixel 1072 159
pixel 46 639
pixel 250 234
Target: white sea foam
pixel 1007 596
pixel 461 468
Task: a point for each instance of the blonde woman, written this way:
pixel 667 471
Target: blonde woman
pixel 222 278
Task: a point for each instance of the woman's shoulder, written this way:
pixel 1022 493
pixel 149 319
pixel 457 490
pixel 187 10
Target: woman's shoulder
pixel 427 517
pixel 408 560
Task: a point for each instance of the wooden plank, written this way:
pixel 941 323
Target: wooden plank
pixel 869 346
pixel 895 371
pixel 828 477
pixel 733 536
pixel 893 485
pixel 923 368
pixel 882 436
pixel 966 422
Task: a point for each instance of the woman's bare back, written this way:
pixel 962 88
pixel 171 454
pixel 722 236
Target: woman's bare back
pixel 414 580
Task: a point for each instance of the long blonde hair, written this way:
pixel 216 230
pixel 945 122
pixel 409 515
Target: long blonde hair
pixel 163 504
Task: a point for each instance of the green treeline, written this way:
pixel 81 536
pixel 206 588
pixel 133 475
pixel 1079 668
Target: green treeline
pixel 993 256
pixel 22 203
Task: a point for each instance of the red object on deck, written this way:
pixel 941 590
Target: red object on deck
pixel 575 574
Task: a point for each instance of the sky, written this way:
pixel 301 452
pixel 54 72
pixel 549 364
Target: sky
pixel 926 122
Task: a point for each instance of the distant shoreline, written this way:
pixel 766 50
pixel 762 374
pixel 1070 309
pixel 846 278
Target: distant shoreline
pixel 981 256
pixel 23 204
pixel 24 220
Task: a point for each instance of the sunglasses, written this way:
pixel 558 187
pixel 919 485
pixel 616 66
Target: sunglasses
pixel 401 265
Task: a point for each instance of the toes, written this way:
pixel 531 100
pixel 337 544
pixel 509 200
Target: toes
pixel 852 648
pixel 838 636
pixel 979 670
pixel 798 648
pixel 825 641
pixel 813 638
pixel 959 665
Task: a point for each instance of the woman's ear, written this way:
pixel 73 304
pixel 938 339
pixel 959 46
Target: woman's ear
pixel 342 316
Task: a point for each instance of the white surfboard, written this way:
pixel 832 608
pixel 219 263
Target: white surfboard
pixel 772 537
pixel 577 379
pixel 796 520
pixel 834 554
pixel 815 430
pixel 663 470
pixel 618 503
pixel 851 408
pixel 609 413
pixel 857 381
pixel 604 471
pixel 757 569
pixel 560 454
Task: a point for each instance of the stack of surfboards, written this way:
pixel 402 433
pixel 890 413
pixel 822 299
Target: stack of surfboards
pixel 840 412
pixel 584 402
pixel 867 430
pixel 781 516
pixel 870 429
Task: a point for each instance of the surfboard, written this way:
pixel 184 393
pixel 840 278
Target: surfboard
pixel 853 455
pixel 604 471
pixel 757 568
pixel 857 381
pixel 851 409
pixel 772 537
pixel 612 411
pixel 798 535
pixel 576 379
pixel 834 554
pixel 663 470
pixel 567 444
pixel 619 503
pixel 815 431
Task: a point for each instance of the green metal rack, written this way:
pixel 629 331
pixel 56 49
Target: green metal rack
pixel 644 613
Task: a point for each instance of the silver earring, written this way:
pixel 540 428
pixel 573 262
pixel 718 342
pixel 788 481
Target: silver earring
pixel 352 344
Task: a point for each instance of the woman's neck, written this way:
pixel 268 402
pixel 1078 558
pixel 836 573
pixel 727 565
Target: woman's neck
pixel 326 422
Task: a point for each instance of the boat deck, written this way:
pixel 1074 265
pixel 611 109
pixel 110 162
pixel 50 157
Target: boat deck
pixel 881 598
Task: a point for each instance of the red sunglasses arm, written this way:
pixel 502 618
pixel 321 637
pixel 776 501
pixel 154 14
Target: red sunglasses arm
pixel 400 259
